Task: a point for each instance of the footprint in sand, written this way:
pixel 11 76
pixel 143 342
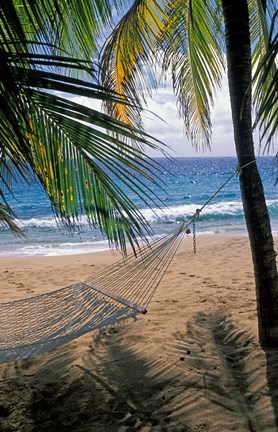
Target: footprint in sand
pixel 21 287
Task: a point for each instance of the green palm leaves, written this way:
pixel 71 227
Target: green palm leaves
pixel 184 40
pixel 129 57
pixel 81 156
pixel 193 53
pixel 179 38
pixel 266 83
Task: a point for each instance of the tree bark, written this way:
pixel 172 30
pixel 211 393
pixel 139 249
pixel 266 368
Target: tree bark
pixel 238 49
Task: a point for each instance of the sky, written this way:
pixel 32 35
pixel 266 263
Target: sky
pixel 170 130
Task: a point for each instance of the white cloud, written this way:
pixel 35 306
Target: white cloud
pixel 172 133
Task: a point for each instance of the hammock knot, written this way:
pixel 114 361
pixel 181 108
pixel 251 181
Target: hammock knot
pixel 240 168
pixel 197 212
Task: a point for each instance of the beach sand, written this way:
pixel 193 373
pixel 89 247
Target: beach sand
pixel 192 363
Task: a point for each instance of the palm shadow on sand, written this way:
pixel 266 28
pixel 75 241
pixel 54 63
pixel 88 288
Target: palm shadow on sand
pixel 239 389
pixel 272 378
pixel 212 376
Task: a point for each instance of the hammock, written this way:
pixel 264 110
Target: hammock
pixel 32 326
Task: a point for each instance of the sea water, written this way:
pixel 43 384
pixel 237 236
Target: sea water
pixel 188 183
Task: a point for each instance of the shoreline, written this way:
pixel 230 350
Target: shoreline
pixel 97 248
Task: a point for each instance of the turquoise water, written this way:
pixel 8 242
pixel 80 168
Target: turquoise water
pixel 189 183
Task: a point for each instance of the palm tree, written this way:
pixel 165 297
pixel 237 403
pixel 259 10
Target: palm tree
pixel 256 213
pixel 80 155
pixel 189 39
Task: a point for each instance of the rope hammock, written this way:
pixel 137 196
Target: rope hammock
pixel 35 325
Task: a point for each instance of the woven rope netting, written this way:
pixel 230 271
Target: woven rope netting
pixel 37 324
pixel 121 291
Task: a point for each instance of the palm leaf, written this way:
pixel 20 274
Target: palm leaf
pixel 128 58
pixel 266 77
pixel 192 46
pixel 76 160
pixel 83 169
pixel 7 217
pixel 68 25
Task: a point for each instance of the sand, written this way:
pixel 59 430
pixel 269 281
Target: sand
pixel 193 363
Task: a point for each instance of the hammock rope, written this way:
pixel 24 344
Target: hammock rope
pixel 34 325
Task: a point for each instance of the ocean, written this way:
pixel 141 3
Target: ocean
pixel 189 183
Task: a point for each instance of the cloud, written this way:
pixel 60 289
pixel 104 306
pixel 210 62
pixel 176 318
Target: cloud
pixel 171 131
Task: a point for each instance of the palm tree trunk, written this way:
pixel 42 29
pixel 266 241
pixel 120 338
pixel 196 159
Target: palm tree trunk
pixel 256 214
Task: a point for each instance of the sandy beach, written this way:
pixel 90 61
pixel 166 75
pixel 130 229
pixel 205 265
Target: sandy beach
pixel 192 363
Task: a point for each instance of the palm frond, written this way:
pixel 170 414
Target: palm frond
pixel 192 45
pixel 265 79
pixel 14 123
pixel 129 56
pixel 84 170
pixel 68 25
pixel 71 148
pixel 7 219
pixel 79 164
